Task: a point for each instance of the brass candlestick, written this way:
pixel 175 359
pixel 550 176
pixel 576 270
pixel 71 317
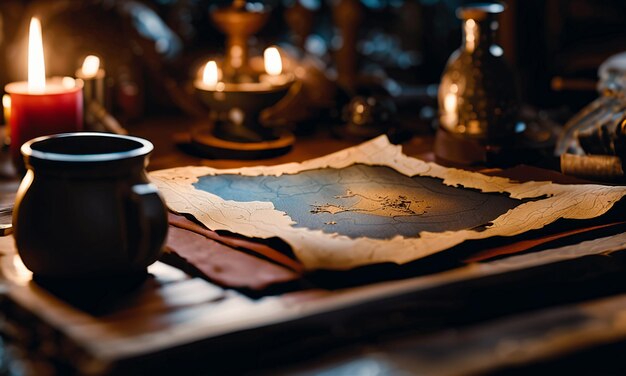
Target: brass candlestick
pixel 243 92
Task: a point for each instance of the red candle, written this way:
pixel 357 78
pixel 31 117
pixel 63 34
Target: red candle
pixel 58 109
pixel 41 107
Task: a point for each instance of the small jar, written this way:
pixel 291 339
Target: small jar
pixel 86 209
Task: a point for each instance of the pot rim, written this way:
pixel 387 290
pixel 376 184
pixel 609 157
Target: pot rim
pixel 146 148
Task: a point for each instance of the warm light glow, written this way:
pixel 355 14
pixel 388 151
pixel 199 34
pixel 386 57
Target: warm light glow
pixel 21 273
pixel 91 65
pixel 236 56
pixel 6 105
pixel 273 63
pixel 449 103
pixel 36 63
pixel 68 82
pixel 449 116
pixel 471 32
pixel 473 127
pixel 210 74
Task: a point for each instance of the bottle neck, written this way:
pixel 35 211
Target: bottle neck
pixel 478 34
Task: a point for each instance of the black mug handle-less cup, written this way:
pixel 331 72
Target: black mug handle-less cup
pixel 86 210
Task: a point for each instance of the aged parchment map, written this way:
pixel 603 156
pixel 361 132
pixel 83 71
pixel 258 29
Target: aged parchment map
pixel 371 204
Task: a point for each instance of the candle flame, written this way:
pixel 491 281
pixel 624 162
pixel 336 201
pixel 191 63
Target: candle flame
pixel 36 63
pixel 210 74
pixel 91 65
pixel 273 62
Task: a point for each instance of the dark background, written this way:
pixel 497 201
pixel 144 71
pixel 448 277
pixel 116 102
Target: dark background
pixel 554 46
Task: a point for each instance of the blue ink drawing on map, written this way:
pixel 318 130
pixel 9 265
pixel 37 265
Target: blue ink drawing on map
pixel 364 201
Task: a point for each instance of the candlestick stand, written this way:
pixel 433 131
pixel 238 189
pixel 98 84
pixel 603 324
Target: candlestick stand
pixel 237 101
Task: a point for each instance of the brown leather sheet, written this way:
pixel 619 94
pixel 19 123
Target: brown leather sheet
pixel 229 261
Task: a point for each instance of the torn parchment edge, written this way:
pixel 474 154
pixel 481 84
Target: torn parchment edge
pixel 319 250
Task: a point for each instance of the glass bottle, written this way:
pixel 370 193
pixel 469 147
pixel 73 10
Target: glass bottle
pixel 477 94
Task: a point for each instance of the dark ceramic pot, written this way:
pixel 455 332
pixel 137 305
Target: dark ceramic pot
pixel 85 208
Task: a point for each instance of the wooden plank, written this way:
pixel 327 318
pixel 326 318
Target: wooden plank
pixel 153 325
pixel 484 348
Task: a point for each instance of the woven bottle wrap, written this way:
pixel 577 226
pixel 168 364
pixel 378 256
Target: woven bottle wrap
pixel 598 167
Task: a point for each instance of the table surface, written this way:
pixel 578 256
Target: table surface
pixel 567 319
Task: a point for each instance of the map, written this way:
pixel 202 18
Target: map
pixel 372 204
pixel 364 201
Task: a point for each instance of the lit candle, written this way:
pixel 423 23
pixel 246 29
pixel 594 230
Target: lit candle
pixel 210 75
pixel 273 68
pixel 39 106
pixel 272 61
pixel 93 79
pixel 91 66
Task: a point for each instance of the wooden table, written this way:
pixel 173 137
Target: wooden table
pixel 531 310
